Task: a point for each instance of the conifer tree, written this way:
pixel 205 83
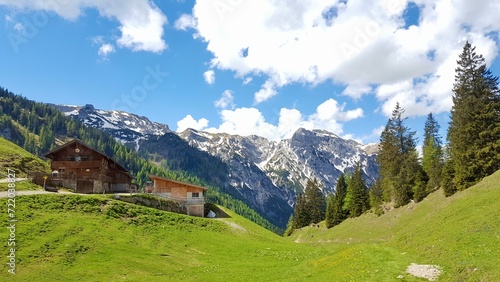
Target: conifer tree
pixel 448 173
pixel 397 159
pixel 300 214
pixel 357 194
pixel 335 212
pixel 329 216
pixel 420 190
pixel 376 197
pixel 340 194
pixel 474 131
pixel 410 175
pixel 432 154
pixel 388 159
pixel 47 138
pixel 315 202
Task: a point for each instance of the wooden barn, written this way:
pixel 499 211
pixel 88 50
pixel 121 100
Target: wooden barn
pixel 77 166
pixel 192 196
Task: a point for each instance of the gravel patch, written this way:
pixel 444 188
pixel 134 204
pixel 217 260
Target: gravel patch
pixel 427 271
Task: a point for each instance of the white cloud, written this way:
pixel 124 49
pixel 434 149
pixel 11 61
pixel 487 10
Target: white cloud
pixel 105 50
pixel 266 92
pixel 141 21
pixel 245 121
pixel 250 121
pixel 247 80
pixel 209 76
pixel 189 122
pixel 330 109
pixel 356 90
pixel 364 45
pixel 226 100
pixel 185 22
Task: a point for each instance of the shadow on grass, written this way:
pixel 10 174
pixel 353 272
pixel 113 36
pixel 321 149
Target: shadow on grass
pixel 218 212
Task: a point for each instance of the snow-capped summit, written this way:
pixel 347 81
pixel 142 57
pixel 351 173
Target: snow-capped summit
pixel 124 127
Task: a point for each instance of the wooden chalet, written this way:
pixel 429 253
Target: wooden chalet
pixel 77 166
pixel 192 196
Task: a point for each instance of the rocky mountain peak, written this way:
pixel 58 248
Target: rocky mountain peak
pixel 125 127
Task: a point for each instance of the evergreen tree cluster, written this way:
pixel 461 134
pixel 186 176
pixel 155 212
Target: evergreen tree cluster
pixel 473 149
pixel 403 175
pixel 351 199
pixel 309 208
pixel 398 160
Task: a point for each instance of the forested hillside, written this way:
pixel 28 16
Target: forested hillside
pixel 38 128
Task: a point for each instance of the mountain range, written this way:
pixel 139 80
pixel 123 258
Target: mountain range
pixel 265 174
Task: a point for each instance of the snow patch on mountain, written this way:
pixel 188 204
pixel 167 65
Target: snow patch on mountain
pixel 127 128
pixel 290 163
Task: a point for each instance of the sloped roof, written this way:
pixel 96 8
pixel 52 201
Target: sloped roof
pixel 176 182
pixel 76 141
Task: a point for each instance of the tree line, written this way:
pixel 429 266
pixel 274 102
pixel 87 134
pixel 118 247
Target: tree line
pixel 472 152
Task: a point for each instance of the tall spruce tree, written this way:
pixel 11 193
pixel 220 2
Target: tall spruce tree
pixel 357 199
pixel 300 214
pixel 432 153
pixel 474 131
pixel 329 215
pixel 397 159
pixel 315 202
pixel 335 212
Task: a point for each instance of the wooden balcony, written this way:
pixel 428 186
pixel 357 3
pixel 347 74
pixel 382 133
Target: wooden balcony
pixel 73 164
pixel 187 201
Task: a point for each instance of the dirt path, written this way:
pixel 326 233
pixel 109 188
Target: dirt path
pixel 4 194
pixel 5 180
pixel 233 225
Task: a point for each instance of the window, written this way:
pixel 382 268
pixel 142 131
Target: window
pixel 196 195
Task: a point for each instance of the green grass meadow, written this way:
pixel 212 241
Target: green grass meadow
pixel 16 158
pixel 97 238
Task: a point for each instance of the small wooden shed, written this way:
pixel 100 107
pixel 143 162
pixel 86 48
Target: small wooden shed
pixel 192 196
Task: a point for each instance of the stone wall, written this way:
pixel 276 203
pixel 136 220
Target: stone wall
pixel 153 202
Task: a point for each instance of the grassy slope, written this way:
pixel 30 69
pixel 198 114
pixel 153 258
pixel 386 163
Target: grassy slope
pixel 460 233
pixel 18 159
pixel 72 237
pixel 21 161
pixel 95 238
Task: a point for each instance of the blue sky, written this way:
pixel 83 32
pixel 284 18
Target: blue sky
pixel 261 67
